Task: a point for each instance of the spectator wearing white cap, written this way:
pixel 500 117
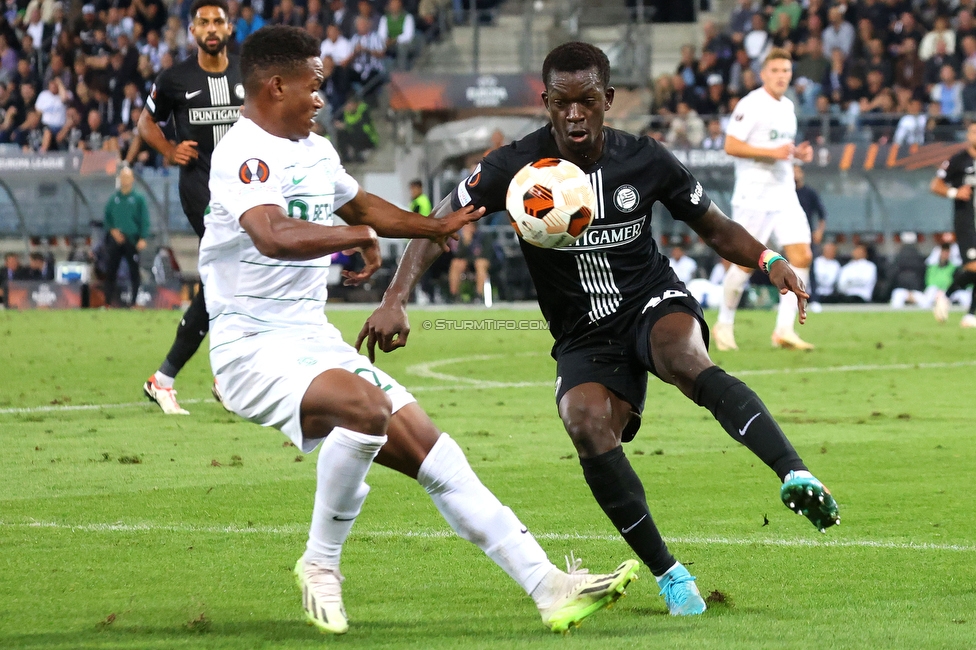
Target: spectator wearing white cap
pixel 716 99
pixel 89 23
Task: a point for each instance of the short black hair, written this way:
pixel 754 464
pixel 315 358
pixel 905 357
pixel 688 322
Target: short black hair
pixel 576 56
pixel 197 4
pixel 417 183
pixel 276 49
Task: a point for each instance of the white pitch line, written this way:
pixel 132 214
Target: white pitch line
pixel 443 534
pixel 62 408
pixel 427 371
pixel 467 383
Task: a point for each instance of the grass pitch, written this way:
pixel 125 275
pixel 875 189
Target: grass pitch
pixel 124 528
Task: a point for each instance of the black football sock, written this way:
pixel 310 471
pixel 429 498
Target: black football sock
pixel 744 417
pixel 960 280
pixel 972 302
pixel 620 493
pixel 190 333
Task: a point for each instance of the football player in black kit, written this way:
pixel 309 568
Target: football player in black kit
pixel 617 311
pixel 202 96
pixel 955 180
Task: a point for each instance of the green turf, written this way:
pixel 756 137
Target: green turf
pixel 192 546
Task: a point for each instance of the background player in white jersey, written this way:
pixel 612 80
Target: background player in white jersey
pixel 264 258
pixel 761 136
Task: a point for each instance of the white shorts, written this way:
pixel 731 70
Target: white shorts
pixel 781 220
pixel 264 377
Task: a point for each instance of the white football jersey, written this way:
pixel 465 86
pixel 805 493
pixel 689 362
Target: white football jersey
pixel 248 293
pixel 761 121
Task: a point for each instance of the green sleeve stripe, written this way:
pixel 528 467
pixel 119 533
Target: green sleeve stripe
pixel 290 266
pixel 242 295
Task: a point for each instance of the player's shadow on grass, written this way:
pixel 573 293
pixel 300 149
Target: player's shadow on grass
pixel 147 637
pixel 257 633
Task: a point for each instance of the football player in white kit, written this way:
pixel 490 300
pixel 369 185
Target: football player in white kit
pixel 264 261
pixel 761 136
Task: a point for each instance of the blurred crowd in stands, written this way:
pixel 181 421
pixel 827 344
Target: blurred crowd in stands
pixel 75 76
pixel 912 277
pixel 886 71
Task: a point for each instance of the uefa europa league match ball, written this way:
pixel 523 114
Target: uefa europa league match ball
pixel 550 203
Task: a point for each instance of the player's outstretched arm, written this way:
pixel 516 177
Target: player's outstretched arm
pixel 278 237
pixel 734 243
pixel 388 324
pixel 390 221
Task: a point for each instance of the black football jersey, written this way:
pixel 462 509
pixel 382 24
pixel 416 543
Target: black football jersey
pixel 615 267
pixel 203 105
pixel 957 171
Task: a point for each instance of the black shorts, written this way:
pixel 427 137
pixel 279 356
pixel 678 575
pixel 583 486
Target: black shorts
pixel 195 197
pixel 965 228
pixel 621 362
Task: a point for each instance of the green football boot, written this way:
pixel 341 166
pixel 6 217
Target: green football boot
pixel 805 495
pixel 587 594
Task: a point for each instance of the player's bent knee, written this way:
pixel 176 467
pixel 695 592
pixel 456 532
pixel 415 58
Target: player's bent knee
pixel 340 399
pixel 590 426
pixel 683 365
pixel 375 410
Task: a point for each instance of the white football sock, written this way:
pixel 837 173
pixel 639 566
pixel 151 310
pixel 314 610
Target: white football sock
pixel 478 516
pixel 664 575
pixel 344 459
pixel 164 381
pixel 732 287
pixel 786 316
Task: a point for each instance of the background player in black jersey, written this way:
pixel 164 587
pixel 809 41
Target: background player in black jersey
pixel 955 180
pixel 203 96
pixel 617 311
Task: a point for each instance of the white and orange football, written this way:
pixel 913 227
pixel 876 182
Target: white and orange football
pixel 550 203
